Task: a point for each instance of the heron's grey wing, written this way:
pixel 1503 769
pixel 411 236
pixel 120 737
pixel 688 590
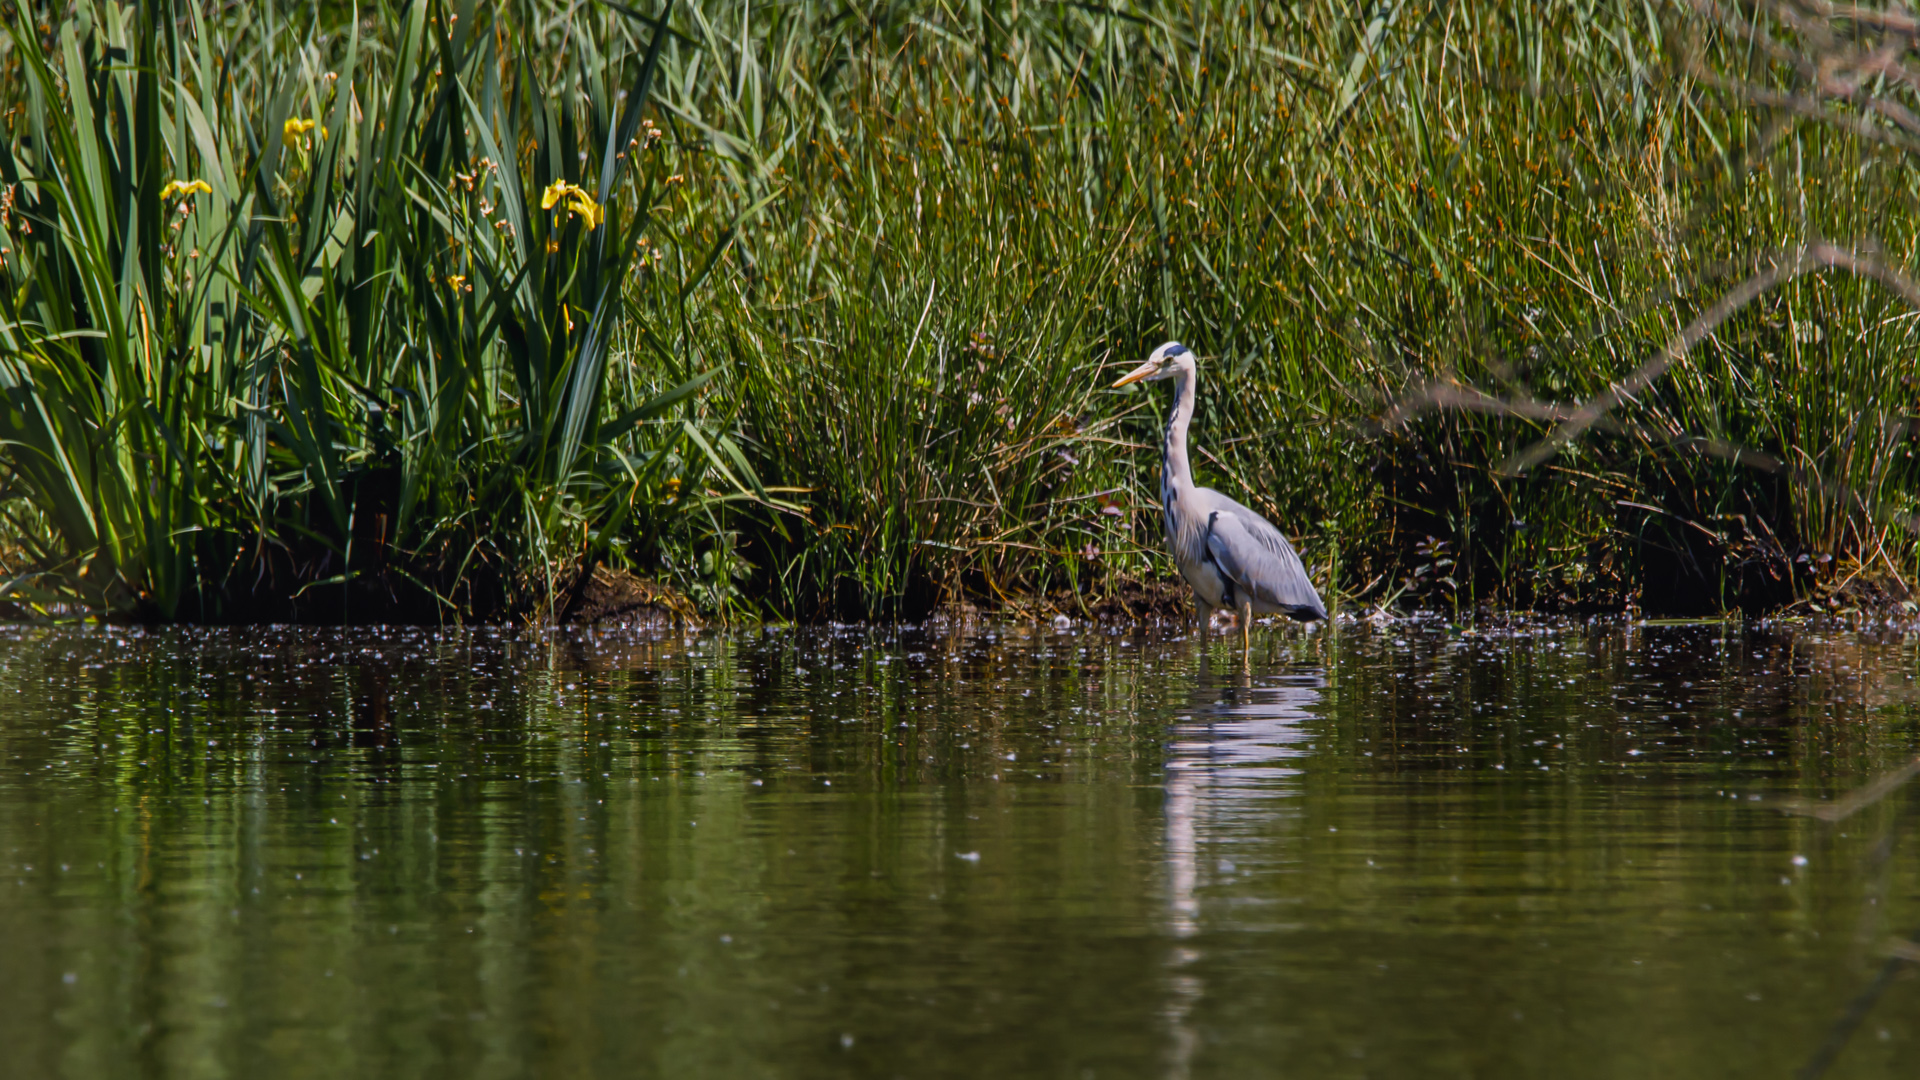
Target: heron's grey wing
pixel 1261 564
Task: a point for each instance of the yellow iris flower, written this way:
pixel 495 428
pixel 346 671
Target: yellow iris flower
pixel 295 129
pixel 184 188
pixel 578 202
pixel 556 191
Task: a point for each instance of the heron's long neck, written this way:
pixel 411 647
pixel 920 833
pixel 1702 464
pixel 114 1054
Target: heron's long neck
pixel 1176 478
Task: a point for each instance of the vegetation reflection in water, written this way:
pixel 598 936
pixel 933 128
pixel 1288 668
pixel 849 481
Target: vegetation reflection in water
pixel 1409 850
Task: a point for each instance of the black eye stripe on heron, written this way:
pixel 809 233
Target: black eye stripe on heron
pixel 1233 557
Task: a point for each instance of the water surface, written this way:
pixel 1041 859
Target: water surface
pixel 1412 850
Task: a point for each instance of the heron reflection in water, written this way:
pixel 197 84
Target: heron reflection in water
pixel 1227 777
pixel 1234 558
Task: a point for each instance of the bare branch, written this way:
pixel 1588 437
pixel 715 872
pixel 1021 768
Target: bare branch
pixel 1893 22
pixel 1810 108
pixel 1692 334
pixel 1864 259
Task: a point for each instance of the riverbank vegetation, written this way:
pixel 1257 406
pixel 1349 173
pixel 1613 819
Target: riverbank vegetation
pixel 449 310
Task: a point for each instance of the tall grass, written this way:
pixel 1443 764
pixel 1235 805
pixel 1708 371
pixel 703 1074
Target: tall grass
pixel 980 208
pixel 838 347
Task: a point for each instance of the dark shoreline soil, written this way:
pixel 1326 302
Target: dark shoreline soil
pixel 611 598
pixel 618 598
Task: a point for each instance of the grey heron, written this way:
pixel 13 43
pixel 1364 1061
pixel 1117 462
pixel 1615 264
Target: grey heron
pixel 1233 557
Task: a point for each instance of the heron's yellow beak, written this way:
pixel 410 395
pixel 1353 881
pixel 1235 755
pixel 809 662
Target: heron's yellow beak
pixel 1137 374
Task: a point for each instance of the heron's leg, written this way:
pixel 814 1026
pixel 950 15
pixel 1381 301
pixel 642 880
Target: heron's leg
pixel 1246 631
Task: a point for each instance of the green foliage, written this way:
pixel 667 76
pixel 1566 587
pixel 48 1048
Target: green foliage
pixel 839 345
pixel 358 343
pixel 946 227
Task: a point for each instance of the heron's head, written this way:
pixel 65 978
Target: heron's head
pixel 1167 361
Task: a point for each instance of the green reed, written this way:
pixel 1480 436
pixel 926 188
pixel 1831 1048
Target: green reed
pixel 980 215
pixel 356 347
pixel 839 346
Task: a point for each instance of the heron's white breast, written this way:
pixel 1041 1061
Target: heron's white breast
pixel 1187 540
pixel 1207 583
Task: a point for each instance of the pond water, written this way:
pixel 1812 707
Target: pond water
pixel 1412 850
